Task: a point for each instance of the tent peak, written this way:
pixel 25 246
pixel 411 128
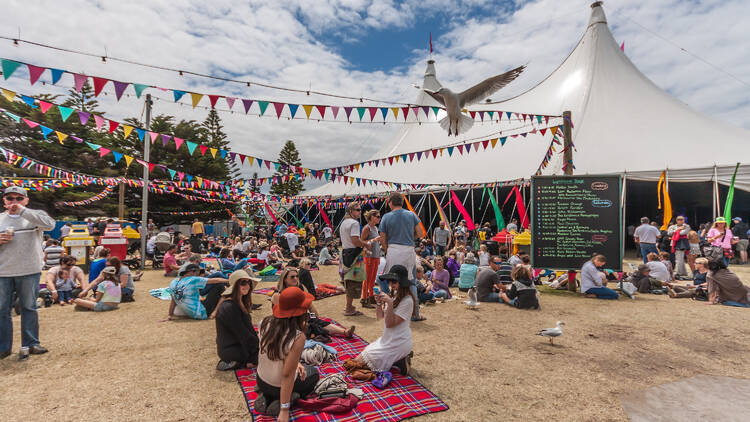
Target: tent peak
pixel 597 13
pixel 430 77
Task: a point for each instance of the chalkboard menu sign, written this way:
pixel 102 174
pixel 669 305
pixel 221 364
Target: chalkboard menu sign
pixel 574 217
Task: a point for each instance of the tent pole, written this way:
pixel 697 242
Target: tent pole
pixel 568 143
pixel 623 211
pixel 715 194
pixel 450 208
pixel 472 206
pixel 429 213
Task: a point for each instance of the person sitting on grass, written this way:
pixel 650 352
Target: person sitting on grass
pixel 236 339
pixel 108 293
pixel 658 269
pixel 594 281
pixel 488 283
pixel 698 284
pixel 664 259
pixel 522 293
pixel 171 268
pixel 725 287
pixel 325 257
pixel 64 285
pixel 281 378
pixel 468 273
pixel 643 281
pixel 98 264
pixel 124 277
pixel 393 348
pixel 424 287
pixel 186 293
pixel 440 280
pixel 316 326
pixel 76 273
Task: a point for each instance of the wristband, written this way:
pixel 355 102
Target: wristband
pixel 286 405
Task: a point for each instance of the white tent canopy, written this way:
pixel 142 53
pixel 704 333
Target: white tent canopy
pixel 604 91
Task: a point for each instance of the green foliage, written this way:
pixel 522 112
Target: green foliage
pixel 80 158
pixel 289 156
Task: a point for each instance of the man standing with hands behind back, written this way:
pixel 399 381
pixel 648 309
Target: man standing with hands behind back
pixel 398 229
pixel 21 232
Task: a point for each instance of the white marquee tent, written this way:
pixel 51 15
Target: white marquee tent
pixel 603 89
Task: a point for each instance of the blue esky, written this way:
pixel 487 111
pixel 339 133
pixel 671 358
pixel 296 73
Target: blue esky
pixel 373 48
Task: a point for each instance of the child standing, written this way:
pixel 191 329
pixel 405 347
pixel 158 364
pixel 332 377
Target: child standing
pixel 64 285
pixel 484 256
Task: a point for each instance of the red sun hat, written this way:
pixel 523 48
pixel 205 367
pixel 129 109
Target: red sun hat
pixel 292 302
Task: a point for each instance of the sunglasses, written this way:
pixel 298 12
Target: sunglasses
pixel 292 276
pixel 244 283
pixel 496 262
pixel 357 209
pixel 14 198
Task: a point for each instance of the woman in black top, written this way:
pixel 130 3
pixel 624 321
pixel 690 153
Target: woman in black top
pixel 305 277
pixel 236 339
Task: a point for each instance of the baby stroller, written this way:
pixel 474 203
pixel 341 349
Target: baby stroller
pixel 163 241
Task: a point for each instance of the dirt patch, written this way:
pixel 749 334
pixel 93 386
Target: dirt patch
pixel 487 364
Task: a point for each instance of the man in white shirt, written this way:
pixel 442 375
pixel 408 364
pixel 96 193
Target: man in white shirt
pixel 291 240
pixel 352 267
pixel 645 237
pixel 327 235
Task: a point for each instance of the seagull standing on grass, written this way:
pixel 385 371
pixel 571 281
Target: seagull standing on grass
pixel 551 333
pixel 456 122
pixel 472 303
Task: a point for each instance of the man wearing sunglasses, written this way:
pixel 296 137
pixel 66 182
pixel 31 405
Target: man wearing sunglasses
pixel 21 232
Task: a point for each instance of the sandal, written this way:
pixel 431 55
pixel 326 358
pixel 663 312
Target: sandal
pixel 418 319
pixel 350 332
pixel 355 313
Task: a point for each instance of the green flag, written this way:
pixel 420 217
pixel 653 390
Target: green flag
pixel 299 223
pixel 498 215
pixel 730 198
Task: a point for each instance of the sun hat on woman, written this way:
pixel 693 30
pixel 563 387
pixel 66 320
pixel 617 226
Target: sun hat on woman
pixel 720 220
pixel 240 275
pixel 293 302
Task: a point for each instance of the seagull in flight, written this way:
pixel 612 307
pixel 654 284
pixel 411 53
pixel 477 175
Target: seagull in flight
pixel 551 333
pixel 456 122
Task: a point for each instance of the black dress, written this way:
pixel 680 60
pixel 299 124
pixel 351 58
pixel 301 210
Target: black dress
pixel 236 339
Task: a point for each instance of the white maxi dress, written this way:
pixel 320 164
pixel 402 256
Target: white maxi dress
pixel 394 344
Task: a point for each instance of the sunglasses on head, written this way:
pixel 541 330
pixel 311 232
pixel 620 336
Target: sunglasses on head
pixel 14 198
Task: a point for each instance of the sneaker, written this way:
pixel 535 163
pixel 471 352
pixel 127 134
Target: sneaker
pixel 226 366
pixel 38 350
pixel 23 354
pixel 4 355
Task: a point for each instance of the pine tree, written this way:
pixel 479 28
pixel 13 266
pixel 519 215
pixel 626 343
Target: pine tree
pixel 84 100
pixel 289 156
pixel 217 139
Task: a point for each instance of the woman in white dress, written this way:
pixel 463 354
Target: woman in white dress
pixel 393 348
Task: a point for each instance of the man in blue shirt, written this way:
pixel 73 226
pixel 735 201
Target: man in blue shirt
pixel 398 230
pixel 186 293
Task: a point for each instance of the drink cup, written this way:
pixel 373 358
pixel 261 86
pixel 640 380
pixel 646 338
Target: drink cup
pixel 9 232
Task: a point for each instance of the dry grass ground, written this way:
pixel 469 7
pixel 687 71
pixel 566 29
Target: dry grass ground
pixel 486 364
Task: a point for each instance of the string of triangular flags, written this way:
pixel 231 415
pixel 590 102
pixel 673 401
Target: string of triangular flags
pixel 376 114
pixel 103 194
pixel 78 179
pixel 298 173
pixel 35 184
pixel 223 210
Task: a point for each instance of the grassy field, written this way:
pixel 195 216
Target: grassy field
pixel 487 364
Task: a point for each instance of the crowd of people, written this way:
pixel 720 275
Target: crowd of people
pixel 386 262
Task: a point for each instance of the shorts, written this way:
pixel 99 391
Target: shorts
pixel 353 289
pixel 741 245
pixel 103 307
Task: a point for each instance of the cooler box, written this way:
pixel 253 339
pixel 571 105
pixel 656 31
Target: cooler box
pixel 78 244
pixel 114 240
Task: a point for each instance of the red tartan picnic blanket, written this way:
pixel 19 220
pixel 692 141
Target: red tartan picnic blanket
pixel 403 398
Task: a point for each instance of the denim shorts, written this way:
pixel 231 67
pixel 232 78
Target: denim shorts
pixel 103 307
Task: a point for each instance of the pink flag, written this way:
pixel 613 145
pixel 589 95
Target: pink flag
pixel 462 210
pixel 323 215
pixel 622 46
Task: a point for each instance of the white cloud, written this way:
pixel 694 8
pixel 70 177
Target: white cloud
pixel 280 42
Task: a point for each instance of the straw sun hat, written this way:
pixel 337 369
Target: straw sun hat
pixel 240 275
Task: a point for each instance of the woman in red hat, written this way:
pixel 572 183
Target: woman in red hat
pixel 281 377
